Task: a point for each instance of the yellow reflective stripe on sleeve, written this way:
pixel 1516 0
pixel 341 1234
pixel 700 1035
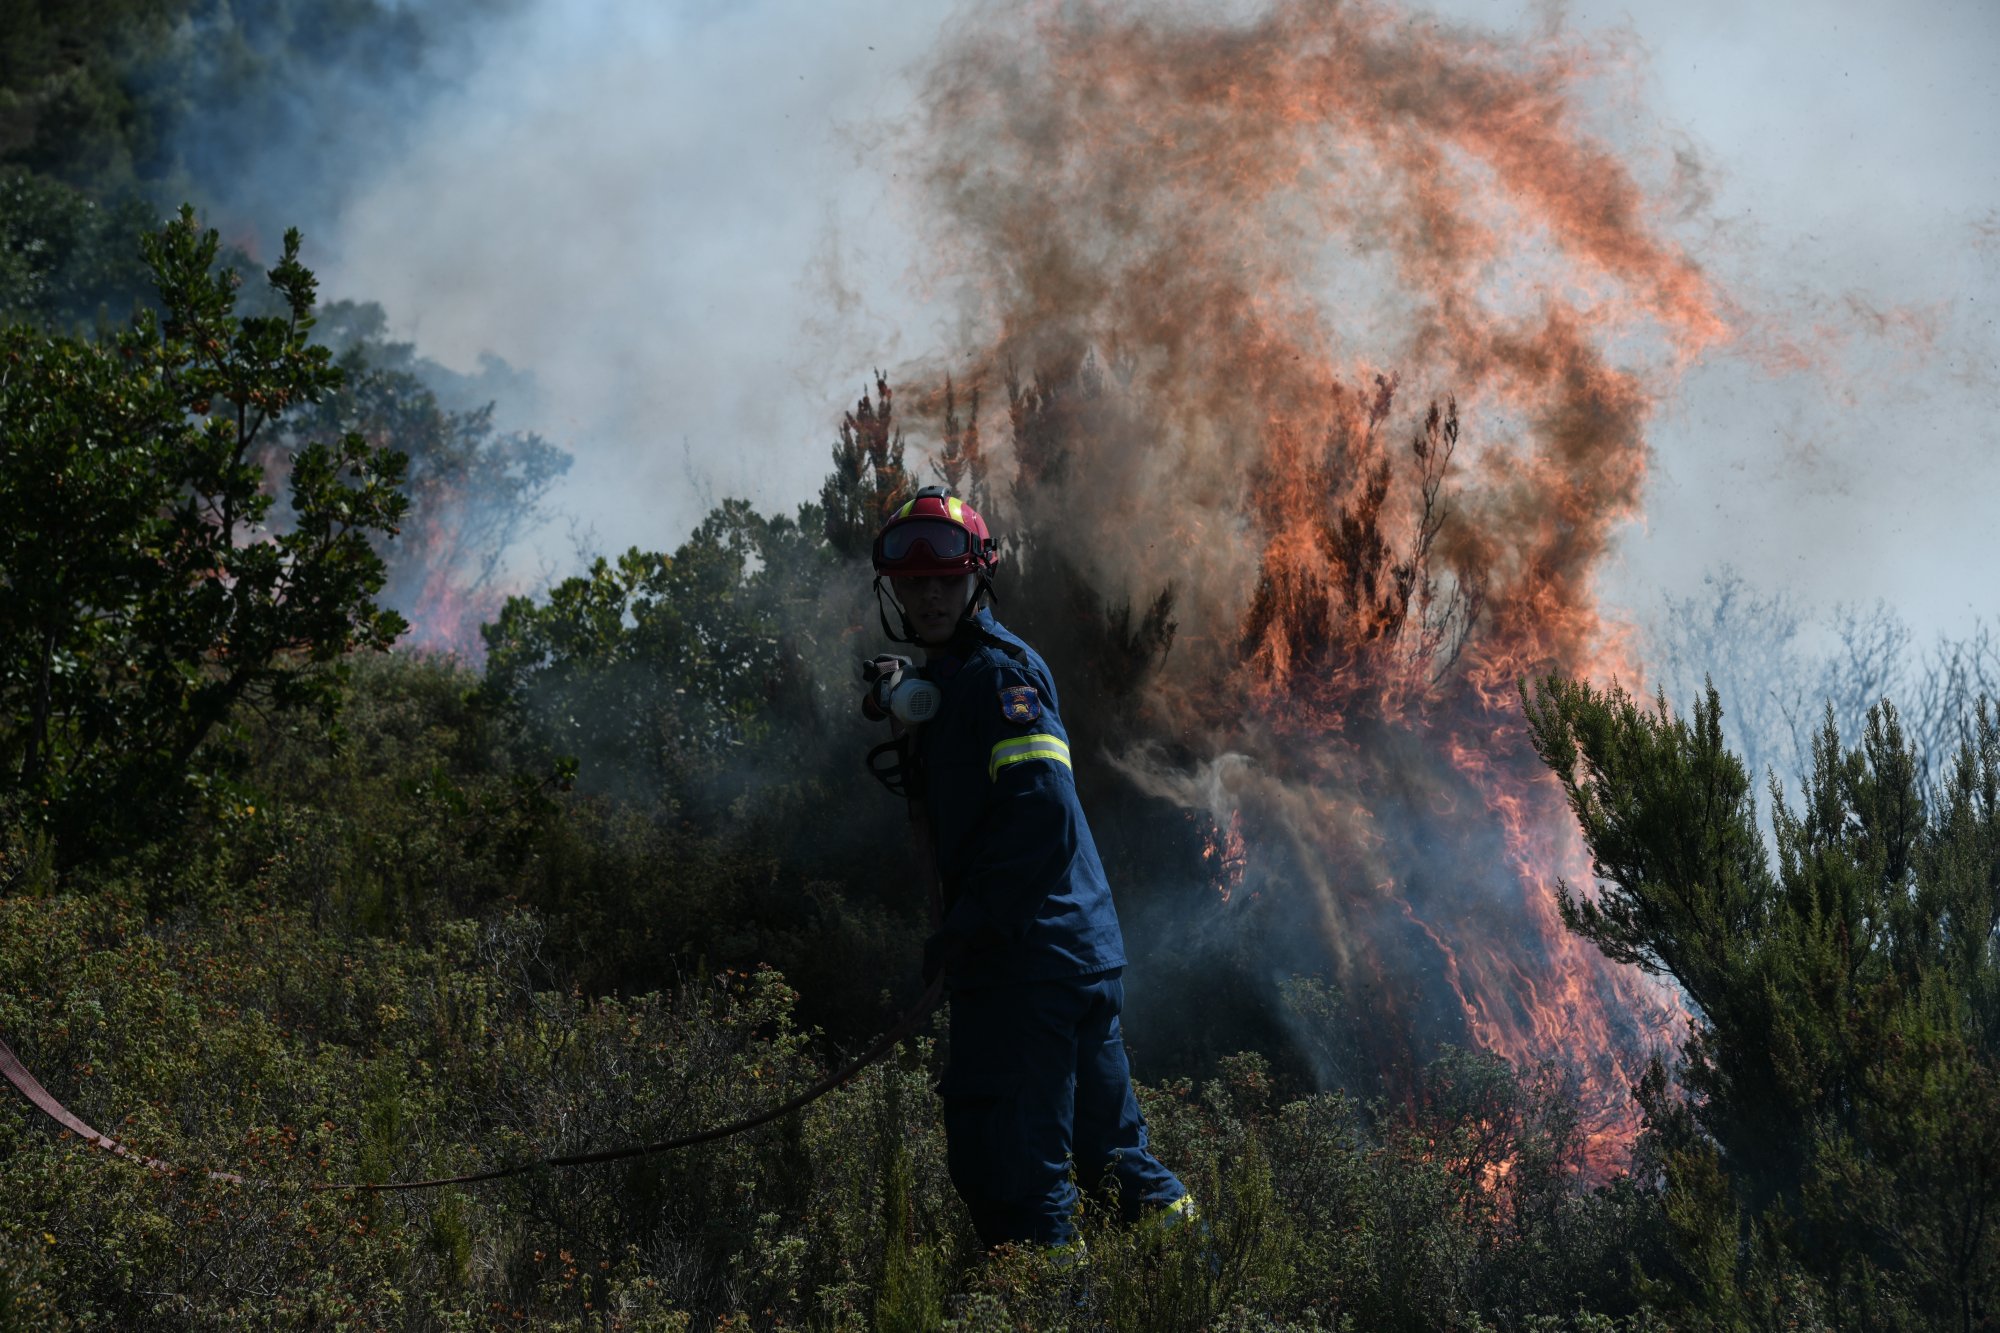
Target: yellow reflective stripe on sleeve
pixel 956 508
pixel 1020 749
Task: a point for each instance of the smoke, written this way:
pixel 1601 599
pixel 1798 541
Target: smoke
pixel 682 219
pixel 698 227
pixel 271 111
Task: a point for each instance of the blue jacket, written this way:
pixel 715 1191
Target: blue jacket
pixel 1023 885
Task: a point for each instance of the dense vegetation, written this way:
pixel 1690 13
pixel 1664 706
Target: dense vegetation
pixel 391 917
pixel 274 900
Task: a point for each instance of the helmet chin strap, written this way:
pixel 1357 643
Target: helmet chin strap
pixel 885 599
pixel 981 592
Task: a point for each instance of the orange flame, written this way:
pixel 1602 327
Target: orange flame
pixel 1226 856
pixel 445 580
pixel 1187 241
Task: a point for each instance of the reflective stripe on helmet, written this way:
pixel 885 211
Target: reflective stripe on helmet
pixel 1020 749
pixel 956 508
pixel 904 512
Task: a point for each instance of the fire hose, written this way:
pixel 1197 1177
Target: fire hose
pixel 44 1101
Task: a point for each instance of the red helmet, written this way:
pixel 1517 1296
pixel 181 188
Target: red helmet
pixel 936 533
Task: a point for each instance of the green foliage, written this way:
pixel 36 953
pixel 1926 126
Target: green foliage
pixel 403 960
pixel 421 810
pixel 67 104
pixel 226 101
pixel 28 1284
pixel 65 259
pixel 415 954
pixel 488 920
pixel 1838 1155
pixel 1321 1214
pixel 257 1042
pixel 148 596
pixel 656 670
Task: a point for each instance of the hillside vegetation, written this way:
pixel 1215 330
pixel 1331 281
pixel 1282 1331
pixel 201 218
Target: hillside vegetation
pixel 281 899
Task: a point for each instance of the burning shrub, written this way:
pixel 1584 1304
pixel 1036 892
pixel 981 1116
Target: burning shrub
pixel 475 492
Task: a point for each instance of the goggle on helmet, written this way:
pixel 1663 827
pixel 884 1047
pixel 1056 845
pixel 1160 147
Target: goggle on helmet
pixel 936 533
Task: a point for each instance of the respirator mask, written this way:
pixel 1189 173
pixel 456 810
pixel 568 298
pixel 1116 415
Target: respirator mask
pixel 894 687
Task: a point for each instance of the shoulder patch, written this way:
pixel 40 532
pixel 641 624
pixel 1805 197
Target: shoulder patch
pixel 1020 704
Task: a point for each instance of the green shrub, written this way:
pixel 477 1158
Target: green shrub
pixel 256 1041
pixel 1838 1156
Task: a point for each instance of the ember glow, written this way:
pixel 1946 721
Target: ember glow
pixel 1225 857
pixel 1350 319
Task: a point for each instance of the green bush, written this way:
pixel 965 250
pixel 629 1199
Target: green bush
pixel 150 598
pixel 253 1040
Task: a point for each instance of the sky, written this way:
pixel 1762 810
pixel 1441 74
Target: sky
pixel 691 225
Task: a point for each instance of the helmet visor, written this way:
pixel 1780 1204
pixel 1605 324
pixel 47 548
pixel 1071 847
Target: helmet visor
pixel 946 541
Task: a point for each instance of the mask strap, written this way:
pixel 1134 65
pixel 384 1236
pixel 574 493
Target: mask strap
pixel 889 764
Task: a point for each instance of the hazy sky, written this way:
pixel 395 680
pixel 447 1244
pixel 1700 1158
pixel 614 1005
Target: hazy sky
pixel 686 221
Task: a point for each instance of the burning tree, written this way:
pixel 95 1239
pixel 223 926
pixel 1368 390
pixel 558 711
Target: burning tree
pixel 1216 263
pixel 474 491
pixel 868 481
pixel 1365 811
pixel 1337 602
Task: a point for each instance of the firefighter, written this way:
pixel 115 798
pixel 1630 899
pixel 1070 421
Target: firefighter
pixel 1037 1093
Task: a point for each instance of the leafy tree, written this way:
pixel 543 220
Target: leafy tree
pixel 148 596
pixel 65 259
pixel 69 106
pixel 1837 1157
pixel 654 669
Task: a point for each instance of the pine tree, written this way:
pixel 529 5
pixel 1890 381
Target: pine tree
pixel 1842 1116
pixel 961 462
pixel 868 482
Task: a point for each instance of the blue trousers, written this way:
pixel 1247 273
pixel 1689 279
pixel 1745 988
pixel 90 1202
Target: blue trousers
pixel 1037 1084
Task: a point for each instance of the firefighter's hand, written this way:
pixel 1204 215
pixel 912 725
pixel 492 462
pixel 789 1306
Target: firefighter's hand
pixel 941 950
pixel 879 678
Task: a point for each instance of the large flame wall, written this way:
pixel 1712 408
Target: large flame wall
pixel 1230 267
